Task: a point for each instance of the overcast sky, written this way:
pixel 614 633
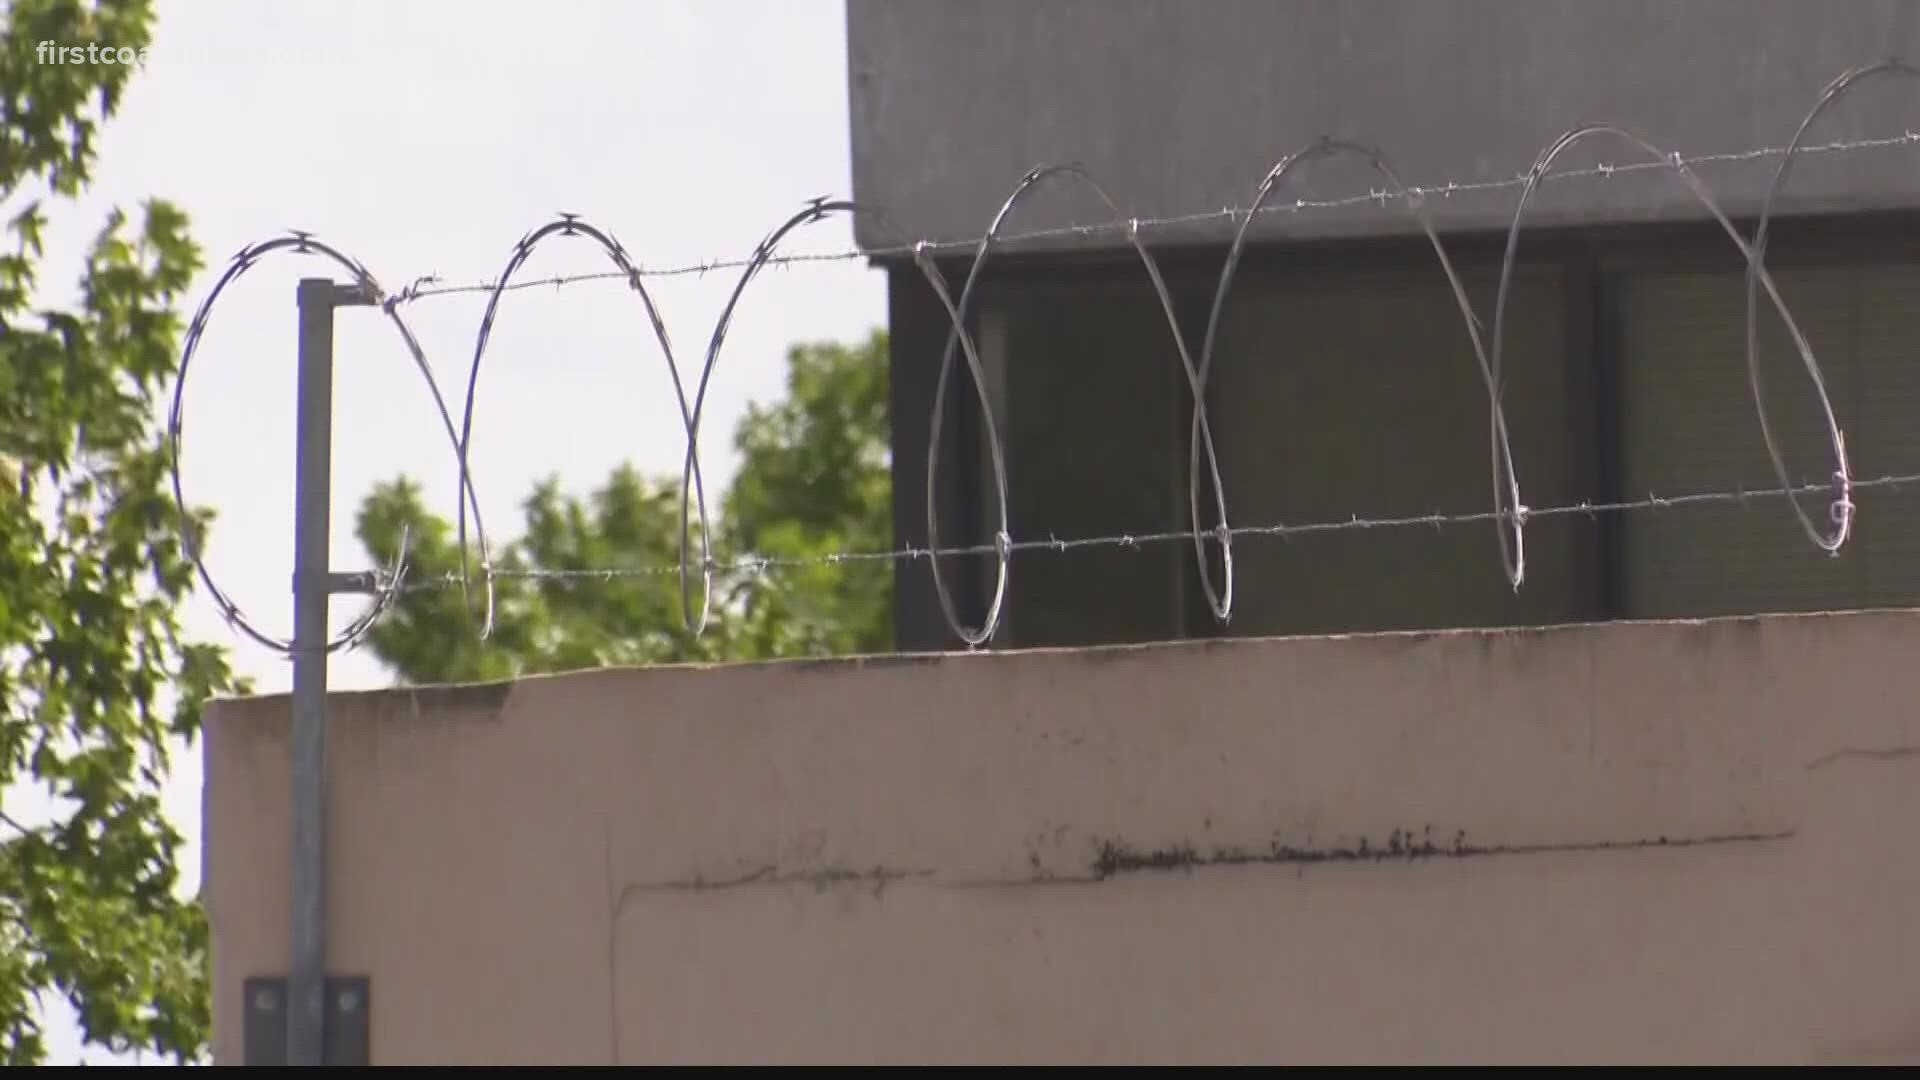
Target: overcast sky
pixel 427 138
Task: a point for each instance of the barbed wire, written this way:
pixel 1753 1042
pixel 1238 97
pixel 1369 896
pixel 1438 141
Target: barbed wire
pixel 1509 512
pixel 385 588
pixel 749 564
pixel 430 286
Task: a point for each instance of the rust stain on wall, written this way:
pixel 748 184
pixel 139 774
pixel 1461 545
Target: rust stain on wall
pixel 1118 857
pixel 879 877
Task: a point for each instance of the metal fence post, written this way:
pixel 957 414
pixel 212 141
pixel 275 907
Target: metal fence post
pixel 312 573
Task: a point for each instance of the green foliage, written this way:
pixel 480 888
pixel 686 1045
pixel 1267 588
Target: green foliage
pixel 94 674
pixel 813 479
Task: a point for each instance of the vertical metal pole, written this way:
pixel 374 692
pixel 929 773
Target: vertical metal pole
pixel 312 584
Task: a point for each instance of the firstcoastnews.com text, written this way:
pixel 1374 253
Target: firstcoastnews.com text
pixel 52 52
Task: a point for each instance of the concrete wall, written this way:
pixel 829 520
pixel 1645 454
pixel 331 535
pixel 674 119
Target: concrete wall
pixel 1180 107
pixel 1673 842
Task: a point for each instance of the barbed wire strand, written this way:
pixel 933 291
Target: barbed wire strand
pixel 749 564
pixel 430 286
pixel 1509 509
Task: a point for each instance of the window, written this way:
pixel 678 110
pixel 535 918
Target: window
pixel 1344 393
pixel 1690 425
pixel 1345 385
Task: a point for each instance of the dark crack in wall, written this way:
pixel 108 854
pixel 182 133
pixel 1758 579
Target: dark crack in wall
pixel 1117 857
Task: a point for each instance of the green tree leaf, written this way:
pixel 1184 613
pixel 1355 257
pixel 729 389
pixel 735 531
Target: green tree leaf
pixel 94 675
pixel 814 479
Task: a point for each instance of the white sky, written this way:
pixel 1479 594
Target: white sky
pixel 428 137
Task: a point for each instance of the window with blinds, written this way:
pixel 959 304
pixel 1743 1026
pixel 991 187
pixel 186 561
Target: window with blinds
pixel 1356 392
pixel 1688 425
pixel 1094 409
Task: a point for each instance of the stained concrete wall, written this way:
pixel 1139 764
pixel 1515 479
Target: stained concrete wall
pixel 1181 107
pixel 1677 842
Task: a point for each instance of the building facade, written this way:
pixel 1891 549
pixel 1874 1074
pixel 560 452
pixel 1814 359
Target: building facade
pixel 1586 845
pixel 1344 381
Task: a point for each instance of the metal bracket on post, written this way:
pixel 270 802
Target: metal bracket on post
pixel 347 1038
pixel 308 1001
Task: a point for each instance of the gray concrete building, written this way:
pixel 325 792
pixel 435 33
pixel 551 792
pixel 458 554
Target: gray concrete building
pixel 1344 381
